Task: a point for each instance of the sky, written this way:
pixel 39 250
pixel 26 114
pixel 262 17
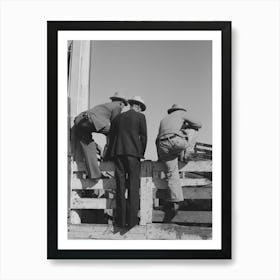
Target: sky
pixel 162 73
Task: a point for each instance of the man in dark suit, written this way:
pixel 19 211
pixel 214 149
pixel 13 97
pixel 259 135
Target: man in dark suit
pixel 128 140
pixel 97 119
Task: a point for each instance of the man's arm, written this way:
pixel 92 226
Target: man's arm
pixel 111 138
pixel 143 133
pixel 116 111
pixel 191 123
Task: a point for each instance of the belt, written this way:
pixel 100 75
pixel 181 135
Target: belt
pixel 167 138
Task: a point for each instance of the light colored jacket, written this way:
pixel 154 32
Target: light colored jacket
pixel 173 123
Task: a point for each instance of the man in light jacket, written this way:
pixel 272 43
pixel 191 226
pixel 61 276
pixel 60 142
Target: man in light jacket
pixel 170 142
pixel 97 119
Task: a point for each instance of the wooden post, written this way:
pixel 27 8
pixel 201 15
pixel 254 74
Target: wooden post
pixel 78 90
pixel 146 193
pixel 75 217
pixel 78 96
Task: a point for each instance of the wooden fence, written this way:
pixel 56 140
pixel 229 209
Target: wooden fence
pixel 91 200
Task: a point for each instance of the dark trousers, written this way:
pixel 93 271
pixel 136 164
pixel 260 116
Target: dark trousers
pixel 81 132
pixel 127 177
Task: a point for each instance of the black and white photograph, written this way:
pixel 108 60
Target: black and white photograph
pixel 140 140
pixel 141 130
pixel 143 139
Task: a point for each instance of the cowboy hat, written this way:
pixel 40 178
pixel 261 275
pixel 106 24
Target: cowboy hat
pixel 118 97
pixel 175 107
pixel 137 100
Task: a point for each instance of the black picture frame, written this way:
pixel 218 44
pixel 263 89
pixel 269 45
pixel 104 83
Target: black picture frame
pixel 52 128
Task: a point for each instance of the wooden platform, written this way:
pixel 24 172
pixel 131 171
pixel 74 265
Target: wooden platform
pixel 149 231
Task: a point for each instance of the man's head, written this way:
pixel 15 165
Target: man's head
pixel 137 104
pixel 135 107
pixel 121 103
pixel 175 107
pixel 120 99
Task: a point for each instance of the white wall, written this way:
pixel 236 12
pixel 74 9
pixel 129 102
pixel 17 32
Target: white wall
pixel 255 139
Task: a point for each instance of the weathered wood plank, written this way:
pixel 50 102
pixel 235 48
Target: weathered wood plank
pixel 196 166
pixel 156 201
pixel 78 87
pixel 104 166
pixel 189 205
pixel 105 232
pixel 174 232
pixel 183 174
pixel 150 231
pixel 89 193
pixel 204 145
pixel 107 166
pixel 110 184
pixel 146 194
pixel 189 193
pixel 191 166
pixel 75 217
pixel 104 184
pixel 204 151
pixel 146 168
pixel 82 174
pixel 78 166
pixel 92 203
pixel 203 217
pixel 162 183
pixel 94 216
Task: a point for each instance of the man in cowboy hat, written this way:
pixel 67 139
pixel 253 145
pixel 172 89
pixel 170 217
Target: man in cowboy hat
pixel 97 119
pixel 170 142
pixel 128 140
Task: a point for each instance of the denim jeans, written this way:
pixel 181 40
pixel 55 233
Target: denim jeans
pixel 168 152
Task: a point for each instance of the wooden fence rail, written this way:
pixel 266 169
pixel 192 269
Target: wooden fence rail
pixel 195 176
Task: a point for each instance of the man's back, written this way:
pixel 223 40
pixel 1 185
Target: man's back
pixel 128 134
pixel 173 123
pixel 101 115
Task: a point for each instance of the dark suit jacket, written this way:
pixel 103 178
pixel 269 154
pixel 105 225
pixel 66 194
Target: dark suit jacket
pixel 128 135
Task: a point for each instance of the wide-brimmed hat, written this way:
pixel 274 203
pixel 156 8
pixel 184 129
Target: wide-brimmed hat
pixel 137 100
pixel 119 97
pixel 175 107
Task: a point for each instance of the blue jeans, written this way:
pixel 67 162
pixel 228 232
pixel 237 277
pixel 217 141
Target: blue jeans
pixel 168 152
